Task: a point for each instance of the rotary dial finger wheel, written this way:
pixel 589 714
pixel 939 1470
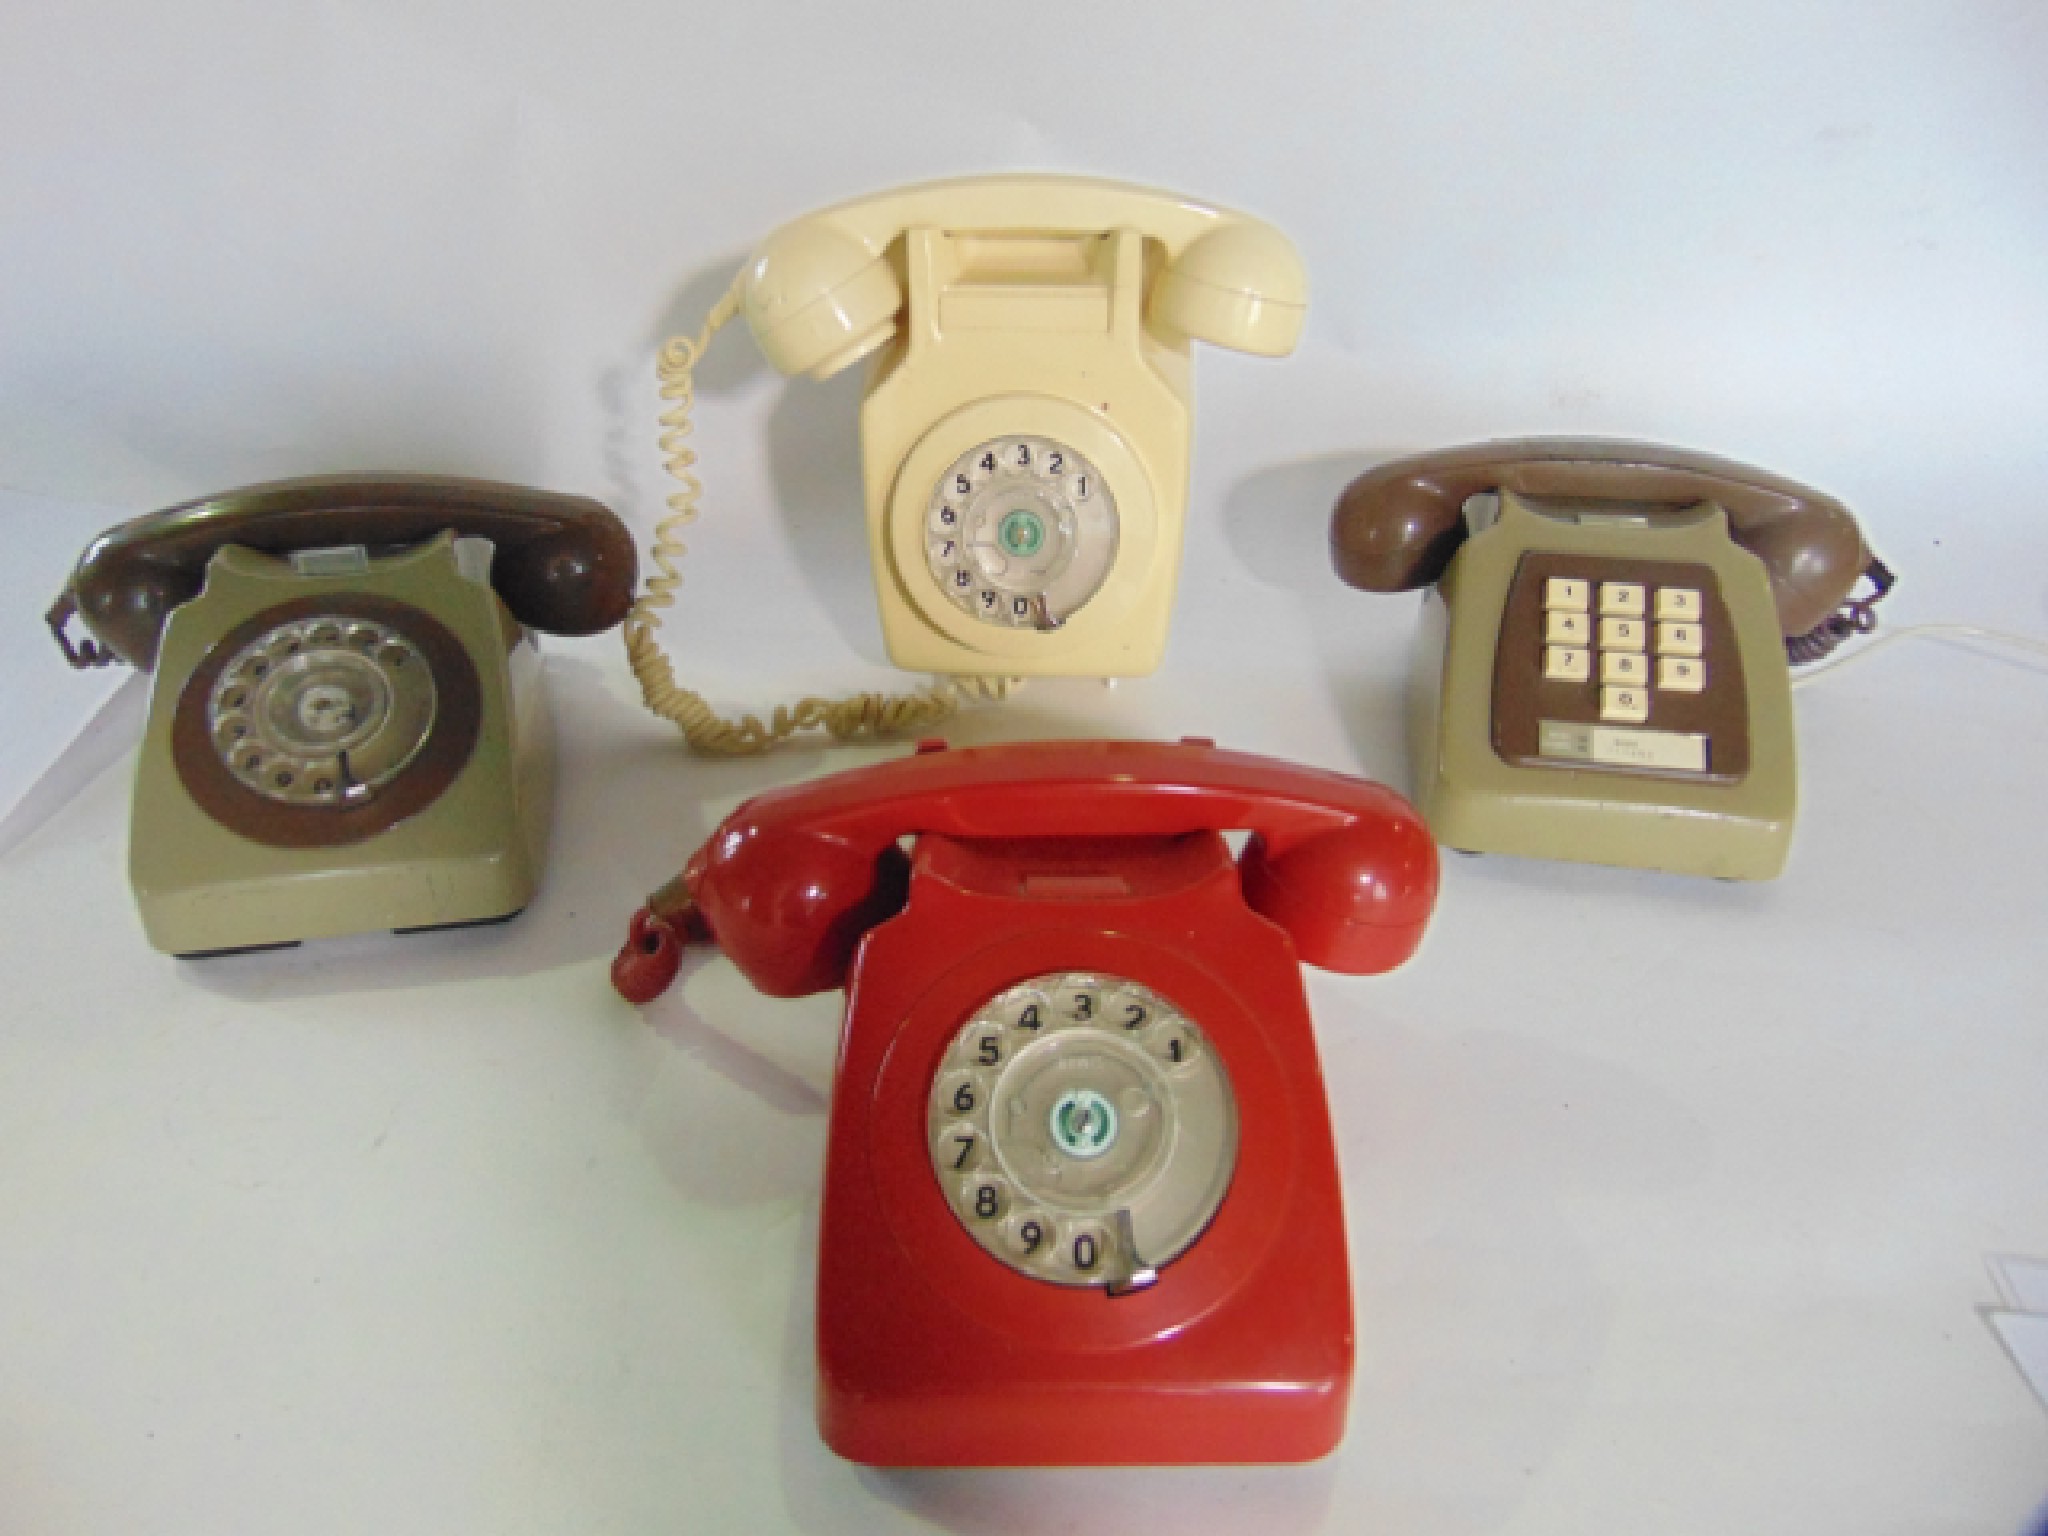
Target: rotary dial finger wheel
pixel 1021 532
pixel 1083 1130
pixel 322 711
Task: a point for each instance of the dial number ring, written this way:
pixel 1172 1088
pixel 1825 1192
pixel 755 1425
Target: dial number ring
pixel 323 710
pixel 1068 1143
pixel 1020 532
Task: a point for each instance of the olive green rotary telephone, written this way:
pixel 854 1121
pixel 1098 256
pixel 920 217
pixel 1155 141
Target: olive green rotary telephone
pixel 347 729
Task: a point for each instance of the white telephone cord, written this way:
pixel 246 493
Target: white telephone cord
pixel 706 731
pixel 1955 631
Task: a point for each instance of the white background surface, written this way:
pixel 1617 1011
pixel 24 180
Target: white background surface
pixel 1669 1201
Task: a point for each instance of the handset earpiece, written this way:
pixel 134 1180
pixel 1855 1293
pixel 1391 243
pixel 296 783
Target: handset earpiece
pixel 1354 899
pixel 818 299
pixel 789 907
pixel 1239 286
pixel 125 600
pixel 575 580
pixel 1813 553
pixel 1395 528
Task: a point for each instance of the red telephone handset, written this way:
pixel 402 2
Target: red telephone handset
pixel 793 879
pixel 1081 1202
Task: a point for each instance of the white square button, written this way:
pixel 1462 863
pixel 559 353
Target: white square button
pixel 1566 595
pixel 1628 706
pixel 1567 663
pixel 1624 599
pixel 1631 667
pixel 1681 603
pixel 1680 640
pixel 1622 634
pixel 1567 629
pixel 1676 674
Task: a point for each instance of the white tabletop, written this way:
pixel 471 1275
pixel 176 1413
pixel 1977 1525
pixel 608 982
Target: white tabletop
pixel 1669 1201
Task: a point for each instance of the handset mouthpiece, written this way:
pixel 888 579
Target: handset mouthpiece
pixel 647 963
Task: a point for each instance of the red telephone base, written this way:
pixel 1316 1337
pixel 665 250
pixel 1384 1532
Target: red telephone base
pixel 1231 1338
pixel 931 1352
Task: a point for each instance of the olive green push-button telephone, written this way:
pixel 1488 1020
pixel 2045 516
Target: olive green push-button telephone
pixel 1602 671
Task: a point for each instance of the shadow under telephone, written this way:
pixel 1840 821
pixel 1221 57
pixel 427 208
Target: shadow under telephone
pixel 1025 426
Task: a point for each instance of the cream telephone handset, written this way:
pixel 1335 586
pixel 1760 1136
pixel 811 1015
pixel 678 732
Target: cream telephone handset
pixel 1025 429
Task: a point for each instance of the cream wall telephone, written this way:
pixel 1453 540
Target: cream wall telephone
pixel 1025 427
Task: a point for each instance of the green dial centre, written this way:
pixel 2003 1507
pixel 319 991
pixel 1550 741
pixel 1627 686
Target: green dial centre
pixel 1083 1123
pixel 1021 533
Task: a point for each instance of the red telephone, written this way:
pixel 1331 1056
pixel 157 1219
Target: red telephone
pixel 1081 1203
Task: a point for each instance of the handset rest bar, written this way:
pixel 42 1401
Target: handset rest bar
pixel 1031 789
pixel 820 293
pixel 1024 201
pixel 563 563
pixel 1397 526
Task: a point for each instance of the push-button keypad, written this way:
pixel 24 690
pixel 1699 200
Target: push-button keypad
pixel 1625 641
pixel 1623 671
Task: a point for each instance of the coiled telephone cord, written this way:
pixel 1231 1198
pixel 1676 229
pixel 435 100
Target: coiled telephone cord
pixel 847 719
pixel 1856 616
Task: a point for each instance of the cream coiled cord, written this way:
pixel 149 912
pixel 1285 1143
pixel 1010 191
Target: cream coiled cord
pixel 706 731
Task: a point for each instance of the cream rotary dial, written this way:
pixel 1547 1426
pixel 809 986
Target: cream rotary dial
pixel 1021 532
pixel 322 711
pixel 1083 1130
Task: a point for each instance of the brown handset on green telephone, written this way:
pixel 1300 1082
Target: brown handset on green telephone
pixel 347 729
pixel 1602 673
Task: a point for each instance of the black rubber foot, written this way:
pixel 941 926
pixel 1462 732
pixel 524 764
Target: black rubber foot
pixel 240 949
pixel 468 922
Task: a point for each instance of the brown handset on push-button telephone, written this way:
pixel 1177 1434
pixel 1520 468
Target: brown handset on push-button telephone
pixel 1602 669
pixel 347 729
